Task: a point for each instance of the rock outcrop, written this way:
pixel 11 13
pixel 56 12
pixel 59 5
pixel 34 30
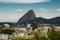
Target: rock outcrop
pixel 30 15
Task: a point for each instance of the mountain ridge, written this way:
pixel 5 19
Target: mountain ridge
pixel 30 17
pixel 55 20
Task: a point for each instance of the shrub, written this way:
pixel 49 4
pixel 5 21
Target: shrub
pixel 38 35
pixel 6 31
pixel 53 35
pixel 21 38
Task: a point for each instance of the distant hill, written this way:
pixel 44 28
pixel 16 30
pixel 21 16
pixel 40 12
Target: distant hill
pixel 55 20
pixel 41 20
pixel 10 23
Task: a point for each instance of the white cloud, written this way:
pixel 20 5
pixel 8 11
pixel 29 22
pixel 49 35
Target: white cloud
pixel 23 1
pixel 11 18
pixel 19 10
pixel 58 10
pixel 43 9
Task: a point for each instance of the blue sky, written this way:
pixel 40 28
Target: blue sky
pixel 12 10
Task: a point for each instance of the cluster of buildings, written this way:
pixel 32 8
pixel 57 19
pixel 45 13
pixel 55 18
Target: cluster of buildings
pixel 21 32
pixel 18 32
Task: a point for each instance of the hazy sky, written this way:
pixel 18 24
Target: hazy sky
pixel 12 10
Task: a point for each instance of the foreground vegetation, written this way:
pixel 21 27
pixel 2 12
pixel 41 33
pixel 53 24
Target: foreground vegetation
pixel 37 35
